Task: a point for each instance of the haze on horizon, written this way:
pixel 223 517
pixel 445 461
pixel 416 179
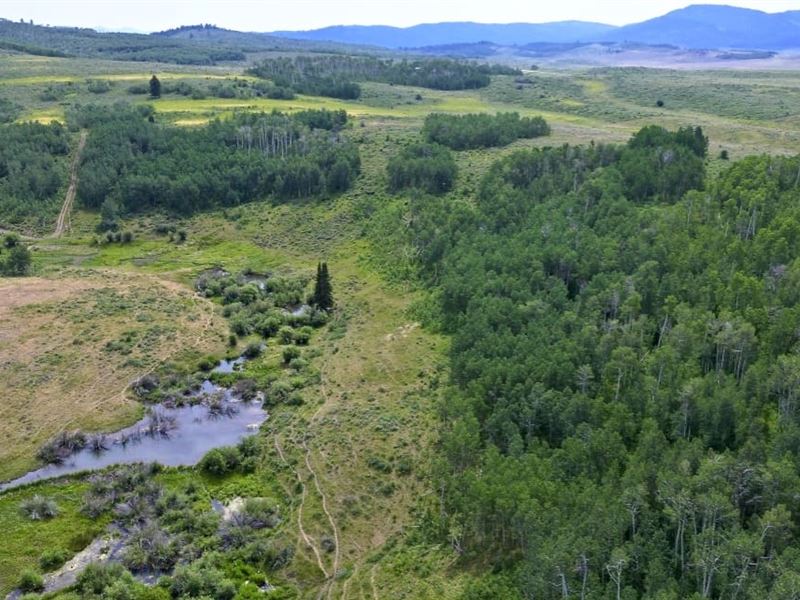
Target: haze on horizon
pixel 273 15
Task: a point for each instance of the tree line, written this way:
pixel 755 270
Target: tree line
pixel 623 419
pixel 33 171
pixel 138 165
pixel 471 131
pixel 337 75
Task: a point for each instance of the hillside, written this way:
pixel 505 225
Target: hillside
pixel 189 45
pixel 454 33
pixel 709 26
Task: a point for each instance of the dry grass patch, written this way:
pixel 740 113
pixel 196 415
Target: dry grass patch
pixel 70 347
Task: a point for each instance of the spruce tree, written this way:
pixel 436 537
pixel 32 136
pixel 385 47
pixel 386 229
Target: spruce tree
pixel 155 87
pixel 322 297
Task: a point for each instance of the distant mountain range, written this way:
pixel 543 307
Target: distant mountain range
pixel 435 34
pixel 697 26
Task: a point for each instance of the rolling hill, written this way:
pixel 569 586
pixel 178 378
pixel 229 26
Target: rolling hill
pixel 432 34
pixel 711 26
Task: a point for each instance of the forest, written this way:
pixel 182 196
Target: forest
pixel 626 342
pixel 132 164
pixel 421 166
pixel 32 171
pixel 471 131
pixel 337 75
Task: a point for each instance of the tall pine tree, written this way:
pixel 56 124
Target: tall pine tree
pixel 322 297
pixel 155 87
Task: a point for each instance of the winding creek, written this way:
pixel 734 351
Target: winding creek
pixel 170 436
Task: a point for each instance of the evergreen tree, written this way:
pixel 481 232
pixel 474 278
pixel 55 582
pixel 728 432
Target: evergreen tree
pixel 155 87
pixel 322 297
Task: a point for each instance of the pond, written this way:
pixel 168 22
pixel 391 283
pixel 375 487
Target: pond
pixel 173 437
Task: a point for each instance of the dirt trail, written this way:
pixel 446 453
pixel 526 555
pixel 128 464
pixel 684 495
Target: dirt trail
pixel 325 509
pixel 63 222
pixel 306 538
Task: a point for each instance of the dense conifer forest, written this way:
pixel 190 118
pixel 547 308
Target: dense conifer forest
pixel 622 419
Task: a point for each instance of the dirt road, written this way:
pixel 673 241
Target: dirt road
pixel 62 224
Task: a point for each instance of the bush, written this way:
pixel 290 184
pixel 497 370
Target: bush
pixel 98 86
pixel 18 262
pixel 39 508
pixel 221 461
pixel 260 512
pixel 286 335
pixel 31 581
pixel 253 350
pixel 50 560
pixel 207 363
pixel 97 577
pixel 197 580
pixel 279 391
pixel 290 353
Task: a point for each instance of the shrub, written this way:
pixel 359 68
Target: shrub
pixel 279 391
pixel 295 399
pixel 197 580
pixel 31 581
pixel 253 350
pixel 98 86
pixel 11 240
pixel 18 262
pixel 286 335
pixel 97 577
pixel 221 461
pixel 50 560
pixel 260 512
pixel 303 335
pixel 127 237
pixel 207 363
pixel 39 508
pixel 290 353
pixel 327 543
pixel 298 364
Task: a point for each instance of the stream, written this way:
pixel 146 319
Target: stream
pixel 169 436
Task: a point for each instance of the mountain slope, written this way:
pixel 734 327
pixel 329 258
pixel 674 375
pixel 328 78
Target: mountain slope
pixel 714 26
pixel 432 34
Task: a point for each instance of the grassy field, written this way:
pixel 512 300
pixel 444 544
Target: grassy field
pixel 744 112
pixel 351 461
pixel 70 346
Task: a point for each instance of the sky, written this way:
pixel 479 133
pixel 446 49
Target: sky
pixel 273 15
